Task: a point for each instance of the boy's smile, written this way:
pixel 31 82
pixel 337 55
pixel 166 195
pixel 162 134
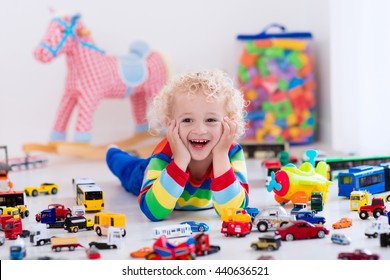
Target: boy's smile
pixel 200 123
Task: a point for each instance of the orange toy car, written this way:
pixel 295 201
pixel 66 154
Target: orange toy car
pixel 141 253
pixel 342 223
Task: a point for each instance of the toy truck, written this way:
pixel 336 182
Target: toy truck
pixel 17 251
pixel 113 239
pixel 377 227
pixel 272 218
pixel 39 235
pixel 384 239
pixel 13 228
pixel 377 208
pixel 75 223
pixel 239 229
pixel 236 215
pixel 54 212
pixel 12 211
pixel 317 202
pixel 3 219
pixel 49 217
pixel 310 216
pixel 267 242
pixel 104 220
pixel 202 245
pixel 57 243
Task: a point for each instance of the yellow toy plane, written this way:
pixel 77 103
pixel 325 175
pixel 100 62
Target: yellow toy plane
pixel 297 184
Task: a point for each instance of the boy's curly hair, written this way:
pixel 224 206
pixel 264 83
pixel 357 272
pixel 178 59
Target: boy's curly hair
pixel 214 84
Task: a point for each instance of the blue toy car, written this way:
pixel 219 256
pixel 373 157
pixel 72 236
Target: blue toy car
pixel 197 227
pixel 310 216
pixel 339 238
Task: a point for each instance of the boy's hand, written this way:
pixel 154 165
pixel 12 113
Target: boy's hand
pixel 181 155
pixel 229 128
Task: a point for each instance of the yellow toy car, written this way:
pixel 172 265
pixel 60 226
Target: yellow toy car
pixel 46 188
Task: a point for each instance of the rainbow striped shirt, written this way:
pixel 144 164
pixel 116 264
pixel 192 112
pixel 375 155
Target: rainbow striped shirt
pixel 166 187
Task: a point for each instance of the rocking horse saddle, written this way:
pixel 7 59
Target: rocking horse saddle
pixel 133 66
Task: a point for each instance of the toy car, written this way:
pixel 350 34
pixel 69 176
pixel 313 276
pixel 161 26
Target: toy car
pixel 196 227
pixel 92 253
pixel 141 253
pixel 46 188
pixel 358 254
pixel 301 230
pixel 271 218
pixel 342 223
pixel 339 238
pixel 298 207
pixel 267 242
pixel 310 216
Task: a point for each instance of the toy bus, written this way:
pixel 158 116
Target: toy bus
pixel 171 231
pixel 338 164
pixel 371 179
pixel 88 194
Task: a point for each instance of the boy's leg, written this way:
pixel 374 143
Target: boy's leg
pixel 128 168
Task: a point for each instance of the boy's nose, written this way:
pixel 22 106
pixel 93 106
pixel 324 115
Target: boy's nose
pixel 200 128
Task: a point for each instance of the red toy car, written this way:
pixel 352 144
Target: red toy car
pixel 358 254
pixel 301 230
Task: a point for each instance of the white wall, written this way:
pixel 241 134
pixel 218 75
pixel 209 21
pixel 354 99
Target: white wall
pixel 360 59
pixel 194 34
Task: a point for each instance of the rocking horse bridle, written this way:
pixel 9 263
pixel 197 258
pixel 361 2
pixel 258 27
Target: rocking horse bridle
pixel 68 32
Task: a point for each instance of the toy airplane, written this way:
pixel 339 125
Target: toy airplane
pixel 297 184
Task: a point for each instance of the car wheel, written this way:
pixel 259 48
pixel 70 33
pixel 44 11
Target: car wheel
pixel 254 246
pixel 54 191
pixel 201 229
pixel 321 234
pixel 34 193
pixel 262 227
pixel 363 215
pixel 289 237
pixel 377 213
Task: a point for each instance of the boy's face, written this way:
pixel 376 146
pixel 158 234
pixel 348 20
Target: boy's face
pixel 200 123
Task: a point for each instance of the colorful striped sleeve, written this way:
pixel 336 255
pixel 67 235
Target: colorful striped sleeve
pixel 231 188
pixel 163 185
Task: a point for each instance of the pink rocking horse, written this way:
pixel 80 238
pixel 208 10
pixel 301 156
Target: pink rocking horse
pixel 92 76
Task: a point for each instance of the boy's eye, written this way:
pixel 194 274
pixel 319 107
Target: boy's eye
pixel 187 120
pixel 211 120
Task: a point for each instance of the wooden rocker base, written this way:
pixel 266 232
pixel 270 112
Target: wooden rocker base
pixel 138 145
